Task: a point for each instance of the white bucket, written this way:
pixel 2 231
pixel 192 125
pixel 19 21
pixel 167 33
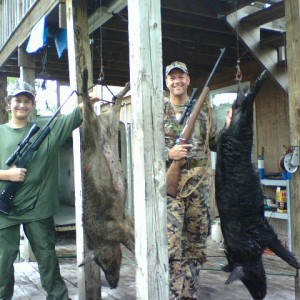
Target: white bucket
pixel 216 232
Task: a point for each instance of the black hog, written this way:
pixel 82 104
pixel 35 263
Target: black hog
pixel 104 220
pixel 240 202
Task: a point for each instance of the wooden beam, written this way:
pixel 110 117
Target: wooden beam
pixel 292 9
pixel 192 6
pixel 79 55
pixel 145 44
pixel 188 20
pixel 103 14
pixel 22 32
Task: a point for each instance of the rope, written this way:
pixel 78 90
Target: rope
pixel 195 187
pixel 101 73
pixel 44 75
pixel 238 75
pixel 206 146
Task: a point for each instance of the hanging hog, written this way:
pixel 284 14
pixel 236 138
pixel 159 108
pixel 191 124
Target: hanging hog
pixel 104 221
pixel 240 202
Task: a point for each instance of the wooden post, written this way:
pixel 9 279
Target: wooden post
pixel 147 149
pixel 27 65
pixel 79 55
pixel 62 14
pixel 292 8
pixel 3 94
pixel 27 74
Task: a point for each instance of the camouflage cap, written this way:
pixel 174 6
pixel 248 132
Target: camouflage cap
pixel 23 88
pixel 176 65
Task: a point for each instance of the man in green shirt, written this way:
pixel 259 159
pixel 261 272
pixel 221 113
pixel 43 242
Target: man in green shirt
pixel 37 200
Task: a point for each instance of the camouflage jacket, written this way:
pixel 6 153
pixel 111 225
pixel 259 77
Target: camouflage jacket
pixel 204 136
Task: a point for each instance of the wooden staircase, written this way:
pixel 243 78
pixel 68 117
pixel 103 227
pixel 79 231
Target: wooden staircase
pixel 262 30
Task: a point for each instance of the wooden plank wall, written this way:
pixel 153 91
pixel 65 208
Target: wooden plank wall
pixel 272 124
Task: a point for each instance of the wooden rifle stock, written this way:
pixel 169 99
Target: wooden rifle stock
pixel 174 171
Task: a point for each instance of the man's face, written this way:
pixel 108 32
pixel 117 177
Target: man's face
pixel 21 106
pixel 177 82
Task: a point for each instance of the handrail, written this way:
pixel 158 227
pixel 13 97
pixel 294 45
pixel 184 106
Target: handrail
pixel 12 13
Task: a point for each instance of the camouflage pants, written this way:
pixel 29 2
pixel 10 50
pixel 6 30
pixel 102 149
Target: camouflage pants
pixel 188 227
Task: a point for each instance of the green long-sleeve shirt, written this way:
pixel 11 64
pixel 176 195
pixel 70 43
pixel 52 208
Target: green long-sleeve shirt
pixel 38 196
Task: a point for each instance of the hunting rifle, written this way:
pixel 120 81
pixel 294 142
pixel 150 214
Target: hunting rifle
pixel 192 110
pixel 23 156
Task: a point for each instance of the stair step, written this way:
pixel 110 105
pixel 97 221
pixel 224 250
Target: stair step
pixel 266 15
pixel 272 38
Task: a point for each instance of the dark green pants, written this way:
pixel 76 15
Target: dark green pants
pixel 42 237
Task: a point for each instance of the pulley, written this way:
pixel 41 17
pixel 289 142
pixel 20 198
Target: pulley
pixel 290 161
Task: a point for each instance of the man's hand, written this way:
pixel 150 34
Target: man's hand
pixel 179 152
pixel 228 117
pixel 94 99
pixel 16 174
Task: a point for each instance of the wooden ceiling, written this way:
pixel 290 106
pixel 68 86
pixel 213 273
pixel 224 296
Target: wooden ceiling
pixel 193 31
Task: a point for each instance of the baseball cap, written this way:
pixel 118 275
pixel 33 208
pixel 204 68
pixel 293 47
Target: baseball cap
pixel 176 65
pixel 23 88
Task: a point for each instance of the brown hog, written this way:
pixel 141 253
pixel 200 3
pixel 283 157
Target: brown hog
pixel 104 221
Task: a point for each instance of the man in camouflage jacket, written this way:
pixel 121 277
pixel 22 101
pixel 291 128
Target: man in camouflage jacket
pixel 188 213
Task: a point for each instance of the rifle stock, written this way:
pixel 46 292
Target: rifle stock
pixel 174 171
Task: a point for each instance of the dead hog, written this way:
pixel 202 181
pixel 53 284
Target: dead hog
pixel 240 202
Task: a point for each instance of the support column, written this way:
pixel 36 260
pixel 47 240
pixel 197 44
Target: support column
pixel 27 74
pixel 3 94
pixel 79 55
pixel 292 9
pixel 149 171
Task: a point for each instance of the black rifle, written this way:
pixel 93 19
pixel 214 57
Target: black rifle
pixel 196 93
pixel 23 156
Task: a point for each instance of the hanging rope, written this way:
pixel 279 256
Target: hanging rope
pixel 101 73
pixel 101 79
pixel 44 74
pixel 238 75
